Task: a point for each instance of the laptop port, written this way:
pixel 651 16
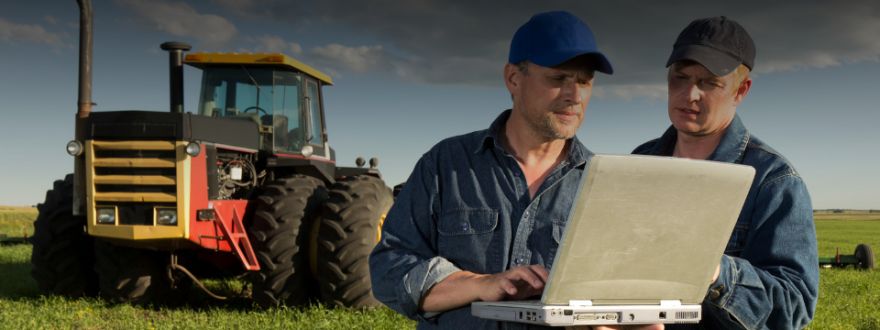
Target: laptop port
pixel 662 315
pixel 586 316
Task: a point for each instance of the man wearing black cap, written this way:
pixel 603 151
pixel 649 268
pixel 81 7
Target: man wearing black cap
pixel 768 277
pixel 481 214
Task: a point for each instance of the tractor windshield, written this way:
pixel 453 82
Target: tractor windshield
pixel 268 96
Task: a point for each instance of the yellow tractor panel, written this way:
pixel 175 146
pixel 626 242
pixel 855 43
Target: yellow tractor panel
pixel 200 60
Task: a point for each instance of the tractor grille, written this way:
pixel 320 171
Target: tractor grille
pixel 135 176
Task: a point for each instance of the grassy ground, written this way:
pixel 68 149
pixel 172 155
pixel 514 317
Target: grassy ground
pixel 21 306
pixel 847 300
pixel 17 221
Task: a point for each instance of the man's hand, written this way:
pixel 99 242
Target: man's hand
pixel 515 284
pixel 462 288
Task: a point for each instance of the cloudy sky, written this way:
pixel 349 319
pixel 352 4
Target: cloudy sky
pixel 410 73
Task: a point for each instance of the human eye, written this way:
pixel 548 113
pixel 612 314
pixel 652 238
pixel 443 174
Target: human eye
pixel 709 84
pixel 677 80
pixel 556 79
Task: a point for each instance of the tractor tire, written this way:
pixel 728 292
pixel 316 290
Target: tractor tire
pixel 278 232
pixel 865 256
pixel 62 256
pixel 349 229
pixel 130 275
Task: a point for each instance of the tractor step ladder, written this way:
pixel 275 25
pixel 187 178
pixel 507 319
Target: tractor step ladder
pixel 238 240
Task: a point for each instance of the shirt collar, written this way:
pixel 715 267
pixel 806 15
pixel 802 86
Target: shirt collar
pixel 733 143
pixel 490 136
pixel 730 149
pixel 577 153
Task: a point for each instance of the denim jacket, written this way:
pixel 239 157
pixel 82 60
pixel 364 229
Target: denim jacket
pixel 466 206
pixel 769 274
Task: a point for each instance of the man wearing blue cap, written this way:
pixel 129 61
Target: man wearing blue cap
pixel 481 215
pixel 768 277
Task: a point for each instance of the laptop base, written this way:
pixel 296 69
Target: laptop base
pixel 534 312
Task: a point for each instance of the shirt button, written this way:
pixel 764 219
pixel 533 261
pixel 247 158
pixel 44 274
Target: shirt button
pixel 526 214
pixel 519 261
pixel 465 226
pixel 716 292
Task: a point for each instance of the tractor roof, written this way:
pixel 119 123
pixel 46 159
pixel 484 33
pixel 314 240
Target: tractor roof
pixel 202 60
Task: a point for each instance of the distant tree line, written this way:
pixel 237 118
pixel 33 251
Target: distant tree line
pixel 845 211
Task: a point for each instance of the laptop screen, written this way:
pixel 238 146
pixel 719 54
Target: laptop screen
pixel 644 229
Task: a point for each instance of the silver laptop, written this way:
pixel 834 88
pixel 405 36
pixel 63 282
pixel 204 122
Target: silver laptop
pixel 642 242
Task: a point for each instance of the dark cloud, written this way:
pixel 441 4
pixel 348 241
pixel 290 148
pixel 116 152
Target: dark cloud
pixel 182 20
pixel 33 33
pixel 466 41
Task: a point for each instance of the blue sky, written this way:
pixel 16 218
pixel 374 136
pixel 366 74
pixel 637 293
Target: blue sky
pixel 409 74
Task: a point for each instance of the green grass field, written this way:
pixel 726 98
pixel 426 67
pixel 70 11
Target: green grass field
pixel 848 298
pixel 21 306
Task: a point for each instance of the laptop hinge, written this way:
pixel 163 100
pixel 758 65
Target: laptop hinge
pixel 580 303
pixel 670 303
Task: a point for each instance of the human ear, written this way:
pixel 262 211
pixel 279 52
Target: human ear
pixel 512 76
pixel 742 91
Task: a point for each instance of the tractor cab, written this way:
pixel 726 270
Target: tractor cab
pixel 280 94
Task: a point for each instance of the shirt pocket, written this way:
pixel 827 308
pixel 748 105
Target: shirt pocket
pixel 544 240
pixel 468 238
pixel 737 240
pixel 558 227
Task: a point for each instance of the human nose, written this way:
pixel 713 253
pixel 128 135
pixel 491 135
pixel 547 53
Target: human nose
pixel 573 92
pixel 693 93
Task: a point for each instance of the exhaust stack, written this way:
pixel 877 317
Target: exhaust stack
pixel 175 66
pixel 84 103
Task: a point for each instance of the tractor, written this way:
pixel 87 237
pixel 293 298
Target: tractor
pixel 247 184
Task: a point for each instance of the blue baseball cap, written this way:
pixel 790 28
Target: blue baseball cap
pixel 549 39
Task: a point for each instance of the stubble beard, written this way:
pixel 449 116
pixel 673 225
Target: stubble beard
pixel 552 130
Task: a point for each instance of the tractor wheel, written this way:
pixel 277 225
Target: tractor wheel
pixel 131 275
pixel 278 233
pixel 349 229
pixel 62 256
pixel 865 256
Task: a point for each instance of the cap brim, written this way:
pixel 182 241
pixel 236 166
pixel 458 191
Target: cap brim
pixel 717 62
pixel 552 59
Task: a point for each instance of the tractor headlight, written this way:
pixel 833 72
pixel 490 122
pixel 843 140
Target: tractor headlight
pixel 74 148
pixel 193 149
pixel 307 151
pixel 166 217
pixel 106 215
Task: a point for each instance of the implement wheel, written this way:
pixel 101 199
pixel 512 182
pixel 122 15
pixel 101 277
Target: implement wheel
pixel 865 256
pixel 278 232
pixel 62 256
pixel 349 229
pixel 129 275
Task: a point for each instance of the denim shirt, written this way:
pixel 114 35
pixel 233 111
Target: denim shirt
pixel 466 206
pixel 769 274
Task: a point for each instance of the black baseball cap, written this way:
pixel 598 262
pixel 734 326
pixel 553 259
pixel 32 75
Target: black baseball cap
pixel 718 43
pixel 551 38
